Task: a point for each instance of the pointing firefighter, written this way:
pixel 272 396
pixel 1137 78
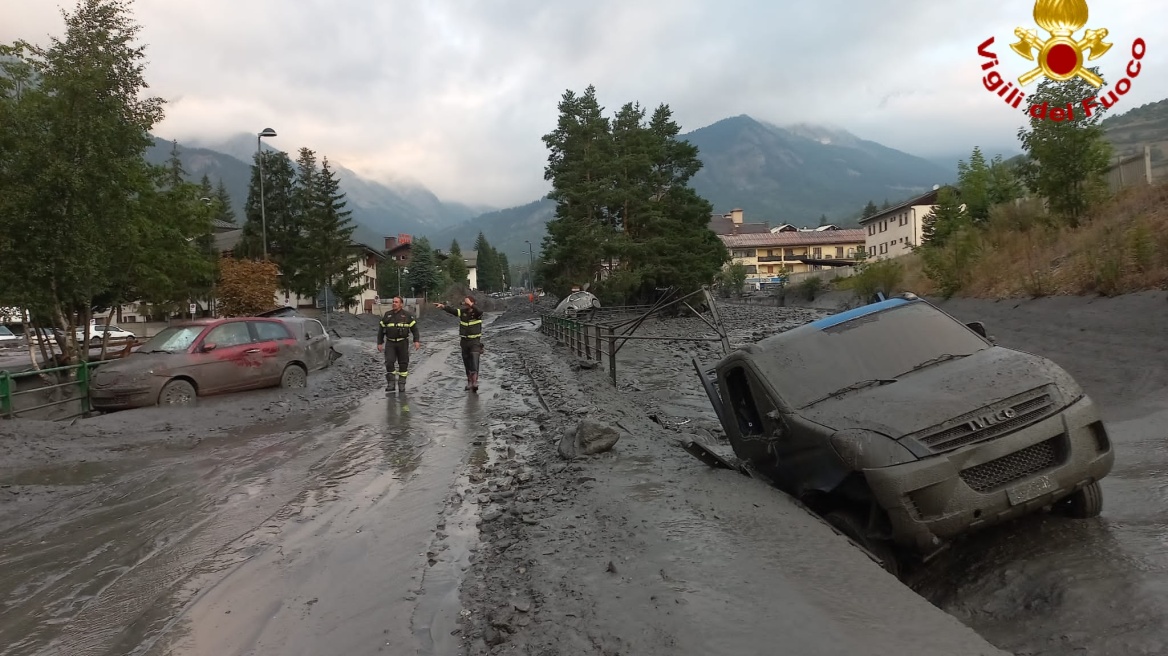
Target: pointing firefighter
pixel 395 329
pixel 470 333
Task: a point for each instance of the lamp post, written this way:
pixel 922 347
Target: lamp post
pixel 530 273
pixel 211 253
pixel 403 272
pixel 267 132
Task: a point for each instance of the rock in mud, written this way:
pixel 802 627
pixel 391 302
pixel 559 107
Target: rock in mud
pixel 589 438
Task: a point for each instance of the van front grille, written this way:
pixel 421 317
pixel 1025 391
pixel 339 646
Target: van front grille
pixel 1010 415
pixel 1009 468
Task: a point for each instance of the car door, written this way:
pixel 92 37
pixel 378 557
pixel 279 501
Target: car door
pixel 276 346
pixel 229 359
pixel 317 344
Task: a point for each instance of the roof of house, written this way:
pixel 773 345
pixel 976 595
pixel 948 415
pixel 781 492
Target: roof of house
pixel 929 198
pixel 219 224
pixel 783 239
pixel 724 225
pixel 470 257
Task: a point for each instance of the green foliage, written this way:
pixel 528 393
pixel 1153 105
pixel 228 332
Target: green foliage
pixel 984 184
pixel 944 219
pixel 626 219
pixel 86 221
pixel 389 276
pixel 326 256
pixel 810 287
pixel 1068 160
pixel 877 276
pixel 425 278
pixel 735 277
pixel 456 266
pixel 951 264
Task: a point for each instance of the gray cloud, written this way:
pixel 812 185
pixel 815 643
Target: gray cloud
pixel 455 94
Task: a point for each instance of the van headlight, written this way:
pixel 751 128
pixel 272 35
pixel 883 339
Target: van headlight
pixel 865 449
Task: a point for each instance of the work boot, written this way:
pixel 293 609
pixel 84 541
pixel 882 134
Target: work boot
pixel 474 382
pixel 401 384
pixel 467 382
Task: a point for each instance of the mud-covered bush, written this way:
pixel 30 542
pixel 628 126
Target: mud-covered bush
pixel 810 288
pixel 246 287
pixel 877 276
pixel 951 265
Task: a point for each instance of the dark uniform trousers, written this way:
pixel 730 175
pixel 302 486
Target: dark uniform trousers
pixel 395 332
pixel 470 332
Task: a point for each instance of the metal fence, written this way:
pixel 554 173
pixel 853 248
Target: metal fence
pixel 599 337
pixel 76 377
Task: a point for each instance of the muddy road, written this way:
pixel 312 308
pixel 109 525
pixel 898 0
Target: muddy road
pixel 438 523
pixel 337 520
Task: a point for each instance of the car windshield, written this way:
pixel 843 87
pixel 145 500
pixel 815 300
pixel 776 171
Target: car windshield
pixel 172 340
pixel 4 332
pixel 876 348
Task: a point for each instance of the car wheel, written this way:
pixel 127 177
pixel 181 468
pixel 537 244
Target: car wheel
pixel 177 392
pixel 852 526
pixel 1084 503
pixel 294 376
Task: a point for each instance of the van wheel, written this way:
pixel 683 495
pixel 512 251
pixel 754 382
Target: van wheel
pixel 1084 503
pixel 852 526
pixel 294 376
pixel 177 392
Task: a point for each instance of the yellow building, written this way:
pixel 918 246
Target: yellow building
pixel 767 254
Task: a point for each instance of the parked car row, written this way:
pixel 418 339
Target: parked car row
pixel 205 357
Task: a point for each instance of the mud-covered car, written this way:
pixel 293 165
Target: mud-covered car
pixel 201 358
pixel 578 304
pixel 902 426
pixel 319 351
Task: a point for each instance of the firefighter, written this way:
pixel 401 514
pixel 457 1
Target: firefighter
pixel 470 333
pixel 395 328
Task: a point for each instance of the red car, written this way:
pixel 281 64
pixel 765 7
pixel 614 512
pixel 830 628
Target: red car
pixel 202 358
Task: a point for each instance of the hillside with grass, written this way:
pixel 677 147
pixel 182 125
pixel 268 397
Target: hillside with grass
pixel 1122 247
pixel 1147 125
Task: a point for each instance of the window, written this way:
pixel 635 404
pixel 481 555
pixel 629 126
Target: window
pixel 839 251
pixel 751 269
pixel 314 329
pixel 883 226
pixel 172 340
pixel 229 334
pixel 742 404
pixel 872 229
pixel 883 248
pixel 269 331
pixel 871 250
pixel 817 252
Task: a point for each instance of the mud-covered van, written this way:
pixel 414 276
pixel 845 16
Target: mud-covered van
pixel 902 426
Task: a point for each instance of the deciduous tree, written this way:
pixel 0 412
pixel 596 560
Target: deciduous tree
pixel 1067 160
pixel 246 287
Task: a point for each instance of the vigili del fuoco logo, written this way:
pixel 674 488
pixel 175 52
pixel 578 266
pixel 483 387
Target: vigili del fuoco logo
pixel 1060 57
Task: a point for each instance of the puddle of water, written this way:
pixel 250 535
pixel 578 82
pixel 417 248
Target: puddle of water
pixel 647 491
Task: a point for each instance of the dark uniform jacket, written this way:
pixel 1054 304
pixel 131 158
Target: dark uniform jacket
pixel 397 326
pixel 470 322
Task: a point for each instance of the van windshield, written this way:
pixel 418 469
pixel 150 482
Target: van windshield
pixel 876 347
pixel 172 340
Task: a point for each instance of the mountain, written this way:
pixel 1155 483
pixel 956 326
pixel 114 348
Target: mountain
pixel 795 174
pixel 378 209
pixel 1144 125
pixel 508 231
pixel 780 175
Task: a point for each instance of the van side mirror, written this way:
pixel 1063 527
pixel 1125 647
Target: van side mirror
pixel 979 328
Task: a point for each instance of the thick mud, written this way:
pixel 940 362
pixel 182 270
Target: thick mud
pixel 339 520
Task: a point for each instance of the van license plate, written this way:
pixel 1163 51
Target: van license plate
pixel 1031 489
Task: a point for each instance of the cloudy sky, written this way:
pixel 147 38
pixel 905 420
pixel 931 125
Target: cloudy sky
pixel 455 94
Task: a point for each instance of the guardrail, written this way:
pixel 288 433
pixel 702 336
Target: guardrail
pixel 77 375
pixel 601 336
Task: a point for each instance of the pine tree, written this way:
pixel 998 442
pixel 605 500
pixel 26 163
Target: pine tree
pixel 456 265
pixel 946 217
pixel 328 238
pixel 278 185
pixel 224 211
pixel 870 210
pixel 486 267
pixel 425 278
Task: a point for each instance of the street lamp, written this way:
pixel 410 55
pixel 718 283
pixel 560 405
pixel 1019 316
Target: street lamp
pixel 267 132
pixel 530 272
pixel 405 272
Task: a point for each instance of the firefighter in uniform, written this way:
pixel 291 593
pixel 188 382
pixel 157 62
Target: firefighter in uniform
pixel 395 328
pixel 470 334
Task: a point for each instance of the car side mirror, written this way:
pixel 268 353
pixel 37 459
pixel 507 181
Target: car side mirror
pixel 211 346
pixel 979 328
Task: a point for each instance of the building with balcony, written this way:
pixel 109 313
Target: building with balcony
pixel 770 255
